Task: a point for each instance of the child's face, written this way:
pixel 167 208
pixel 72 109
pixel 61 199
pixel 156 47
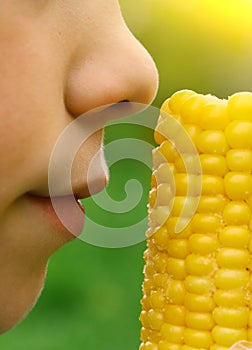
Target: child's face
pixel 58 59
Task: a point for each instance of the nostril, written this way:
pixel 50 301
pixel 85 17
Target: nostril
pixel 123 101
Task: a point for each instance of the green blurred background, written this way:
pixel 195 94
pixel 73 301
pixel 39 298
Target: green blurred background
pixel 91 298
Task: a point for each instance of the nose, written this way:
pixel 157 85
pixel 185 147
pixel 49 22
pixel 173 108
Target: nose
pixel 116 68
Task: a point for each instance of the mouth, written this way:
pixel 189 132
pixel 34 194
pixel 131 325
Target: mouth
pixel 65 214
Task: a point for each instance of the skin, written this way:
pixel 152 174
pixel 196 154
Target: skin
pixel 58 60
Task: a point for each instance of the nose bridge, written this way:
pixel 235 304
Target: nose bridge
pixel 117 68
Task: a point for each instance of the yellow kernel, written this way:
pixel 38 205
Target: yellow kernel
pixel 177 248
pixel 183 205
pixel 165 345
pixel 191 109
pixel 250 319
pixel 218 347
pixel 159 137
pixel 206 223
pixel 160 280
pixel 147 286
pixel 144 319
pixel 228 336
pixel 158 216
pixel 201 321
pixel 212 142
pixel 148 346
pixel 198 284
pixel 230 279
pixel 157 300
pixel 164 194
pixel 198 339
pixel 187 347
pixel 157 158
pixel 214 204
pixel 177 100
pixel 239 160
pixel 238 186
pixel 168 151
pixel 212 185
pixel 164 174
pixel 235 236
pixel 186 184
pixel 214 116
pixel 160 262
pixel 238 134
pixel 202 244
pixel 199 265
pixel 187 163
pixel 233 258
pixel 198 303
pixel 169 127
pixel 230 298
pixel 161 238
pixel 171 225
pixel 174 314
pixel 249 335
pixel 153 180
pixel 165 106
pixel 144 334
pixel 155 319
pixel 175 292
pixel 192 130
pixel 153 197
pixel 213 164
pixel 145 302
pixel 240 106
pixel 231 317
pixel 149 270
pixel 236 213
pixel 172 333
pixel 176 268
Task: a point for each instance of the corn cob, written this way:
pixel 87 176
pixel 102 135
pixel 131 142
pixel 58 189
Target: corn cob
pixel 197 283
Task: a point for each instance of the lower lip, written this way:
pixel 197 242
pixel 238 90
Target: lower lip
pixel 65 214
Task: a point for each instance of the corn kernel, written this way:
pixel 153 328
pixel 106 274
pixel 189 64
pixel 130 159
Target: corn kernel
pixel 176 268
pixel 198 339
pixel 239 160
pixel 164 174
pixel 228 336
pixel 192 130
pixel 212 185
pixel 198 284
pixel 174 314
pixel 160 262
pixel 213 164
pixel 171 225
pixel 201 321
pixel 202 244
pixel 218 347
pixel 158 216
pixel 187 184
pixel 214 116
pixel 155 319
pixel 199 265
pixel 230 298
pixel 238 185
pixel 160 280
pixel 144 334
pixel 206 223
pixel 183 205
pixel 191 109
pixel 144 319
pixel 175 292
pixel 165 345
pixel 168 151
pixel 145 302
pixel 230 279
pixel 178 99
pixel 212 142
pixel 235 236
pixel 187 163
pixel 238 134
pixel 233 258
pixel 230 317
pixel 240 106
pixel 164 194
pixel 177 248
pixel 148 346
pixel 236 213
pixel 212 204
pixel 198 303
pixel 161 238
pixel 157 300
pixel 172 333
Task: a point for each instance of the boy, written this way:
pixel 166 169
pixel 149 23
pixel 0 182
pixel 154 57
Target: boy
pixel 58 60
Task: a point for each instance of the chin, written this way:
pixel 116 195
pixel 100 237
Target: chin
pixel 20 301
